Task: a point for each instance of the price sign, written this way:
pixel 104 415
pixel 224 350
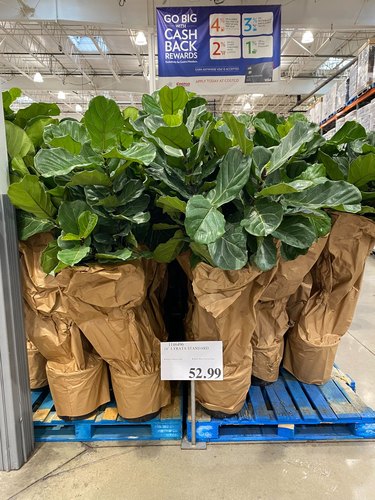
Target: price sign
pixel 192 360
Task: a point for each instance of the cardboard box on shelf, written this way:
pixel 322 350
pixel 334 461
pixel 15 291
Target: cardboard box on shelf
pixel 342 93
pixel 352 116
pixel 329 102
pixel 353 74
pixel 339 123
pixel 315 112
pixel 366 66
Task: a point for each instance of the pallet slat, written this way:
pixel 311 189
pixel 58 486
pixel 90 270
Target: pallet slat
pixel 106 425
pixel 301 412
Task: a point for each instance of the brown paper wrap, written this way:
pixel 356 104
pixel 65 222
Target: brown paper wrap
pixel 271 312
pixel 110 305
pixel 77 377
pixel 222 307
pixel 37 367
pixel 312 343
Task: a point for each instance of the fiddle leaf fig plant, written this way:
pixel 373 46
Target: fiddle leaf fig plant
pixel 156 181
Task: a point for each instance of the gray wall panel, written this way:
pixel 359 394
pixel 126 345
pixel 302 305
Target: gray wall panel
pixel 16 430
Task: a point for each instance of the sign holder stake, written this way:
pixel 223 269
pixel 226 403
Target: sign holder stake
pixel 193 445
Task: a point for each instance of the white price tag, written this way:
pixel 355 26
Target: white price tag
pixel 192 360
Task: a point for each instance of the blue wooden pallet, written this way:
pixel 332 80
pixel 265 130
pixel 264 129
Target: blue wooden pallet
pixel 288 410
pixel 105 424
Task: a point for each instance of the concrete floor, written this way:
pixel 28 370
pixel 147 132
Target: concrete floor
pixel 343 471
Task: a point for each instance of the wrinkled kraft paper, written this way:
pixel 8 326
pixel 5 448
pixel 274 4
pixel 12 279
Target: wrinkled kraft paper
pixel 222 307
pixel 110 305
pixel 271 312
pixel 77 377
pixel 312 343
pixel 37 367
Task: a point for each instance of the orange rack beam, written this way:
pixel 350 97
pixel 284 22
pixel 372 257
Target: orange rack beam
pixel 349 107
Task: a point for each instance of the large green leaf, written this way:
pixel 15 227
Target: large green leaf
pixel 171 204
pixel 57 161
pixel 264 218
pixel 173 120
pixel 290 253
pixel 284 188
pixel 140 152
pixel 362 170
pixel 265 257
pixel 194 115
pixel 332 167
pixel 90 178
pixel 322 225
pixel 18 166
pixel 238 130
pixel 296 231
pixel 350 131
pixel 150 105
pixel 104 122
pixel 28 225
pixel 35 131
pixel 74 255
pixel 300 134
pixel 69 213
pixel 267 130
pixel 68 134
pixel 9 96
pixel 18 142
pixel 167 252
pixel 172 100
pixel 230 250
pixel 49 259
pixel 130 112
pixel 23 116
pixel 123 254
pixel 131 190
pixel 87 222
pixel 30 195
pixel 233 174
pixel 314 172
pixel 203 222
pixel 328 194
pixel 220 141
pixel 176 137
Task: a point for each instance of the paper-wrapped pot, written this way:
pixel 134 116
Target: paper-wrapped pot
pixel 326 316
pixel 77 377
pixel 222 307
pixel 37 367
pixel 110 305
pixel 272 315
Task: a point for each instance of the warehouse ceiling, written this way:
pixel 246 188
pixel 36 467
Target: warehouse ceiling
pixel 96 53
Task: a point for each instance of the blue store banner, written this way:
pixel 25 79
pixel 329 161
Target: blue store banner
pixel 195 42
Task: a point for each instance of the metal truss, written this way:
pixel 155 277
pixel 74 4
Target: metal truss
pixel 65 46
pixel 18 34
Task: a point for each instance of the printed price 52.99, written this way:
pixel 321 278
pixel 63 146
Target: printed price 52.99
pixel 210 373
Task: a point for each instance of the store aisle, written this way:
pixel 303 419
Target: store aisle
pixel 342 471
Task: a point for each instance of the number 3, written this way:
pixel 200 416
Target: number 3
pixel 248 24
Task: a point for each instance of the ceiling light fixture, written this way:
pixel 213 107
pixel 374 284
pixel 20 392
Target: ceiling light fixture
pixel 61 95
pixel 38 78
pixel 307 37
pixel 247 107
pixel 256 96
pixel 140 39
pixel 78 108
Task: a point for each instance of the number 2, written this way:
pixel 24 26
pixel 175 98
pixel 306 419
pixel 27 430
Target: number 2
pixel 216 52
